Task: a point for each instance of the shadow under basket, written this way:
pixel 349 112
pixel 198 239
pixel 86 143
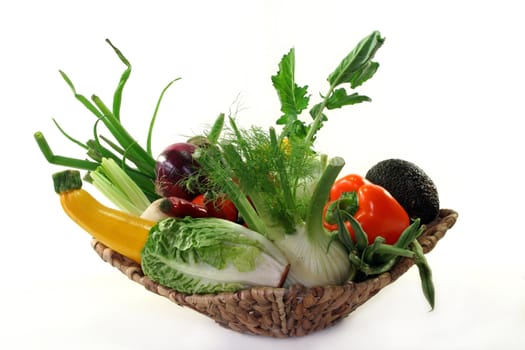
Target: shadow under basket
pixel 282 312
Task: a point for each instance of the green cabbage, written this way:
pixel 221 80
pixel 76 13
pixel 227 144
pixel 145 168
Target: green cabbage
pixel 211 255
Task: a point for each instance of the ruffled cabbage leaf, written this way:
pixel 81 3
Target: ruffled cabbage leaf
pixel 211 255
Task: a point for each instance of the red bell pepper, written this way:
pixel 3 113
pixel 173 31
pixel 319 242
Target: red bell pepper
pixel 221 207
pixel 375 209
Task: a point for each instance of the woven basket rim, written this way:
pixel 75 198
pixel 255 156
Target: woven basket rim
pixel 240 317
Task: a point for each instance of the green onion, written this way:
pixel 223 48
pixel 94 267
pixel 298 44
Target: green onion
pixel 129 157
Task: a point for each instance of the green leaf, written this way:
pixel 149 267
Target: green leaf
pixel 296 128
pixel 366 72
pixel 293 98
pixel 81 98
pixel 356 62
pixel 117 96
pixel 69 137
pixel 144 161
pixel 355 69
pixel 216 129
pixel 340 98
pixel 154 117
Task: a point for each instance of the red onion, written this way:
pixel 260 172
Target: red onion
pixel 173 166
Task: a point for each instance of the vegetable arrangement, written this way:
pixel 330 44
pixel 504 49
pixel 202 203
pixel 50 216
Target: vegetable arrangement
pixel 239 207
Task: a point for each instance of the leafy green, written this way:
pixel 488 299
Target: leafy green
pixel 357 66
pixel 293 98
pixel 340 98
pixel 210 255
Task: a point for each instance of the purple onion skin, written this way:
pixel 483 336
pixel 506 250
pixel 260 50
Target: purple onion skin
pixel 174 164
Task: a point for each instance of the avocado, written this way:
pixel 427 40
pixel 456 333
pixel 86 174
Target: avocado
pixel 409 185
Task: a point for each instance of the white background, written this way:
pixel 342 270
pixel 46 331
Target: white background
pixel 448 96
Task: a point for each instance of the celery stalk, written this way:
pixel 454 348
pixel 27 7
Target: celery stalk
pixel 118 187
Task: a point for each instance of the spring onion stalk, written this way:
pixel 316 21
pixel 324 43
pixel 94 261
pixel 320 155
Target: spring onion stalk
pixel 154 117
pixel 117 96
pixel 137 162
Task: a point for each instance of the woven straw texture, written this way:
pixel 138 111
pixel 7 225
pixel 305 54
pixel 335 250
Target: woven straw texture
pixel 282 312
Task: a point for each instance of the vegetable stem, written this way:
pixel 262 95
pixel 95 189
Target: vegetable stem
pixel 355 69
pixel 410 234
pixel 216 129
pixel 212 160
pixel 318 117
pixel 119 187
pixel 282 172
pixel 314 218
pixel 392 251
pixel 117 97
pixel 61 160
pixel 244 207
pixel 425 273
pixel 69 137
pixel 154 117
pixel 143 160
pixel 82 99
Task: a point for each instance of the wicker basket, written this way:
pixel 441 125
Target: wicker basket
pixel 282 312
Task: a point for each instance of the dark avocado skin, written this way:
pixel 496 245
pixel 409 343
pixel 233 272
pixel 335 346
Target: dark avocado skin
pixel 409 185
